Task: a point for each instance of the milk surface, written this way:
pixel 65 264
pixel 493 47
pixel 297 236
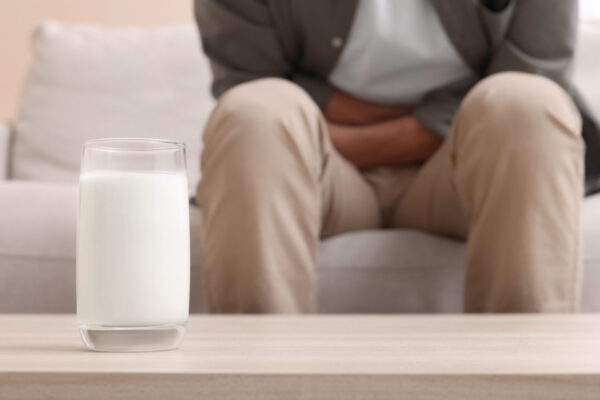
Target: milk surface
pixel 133 249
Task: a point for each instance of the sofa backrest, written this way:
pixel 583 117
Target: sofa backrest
pixel 587 62
pixel 89 82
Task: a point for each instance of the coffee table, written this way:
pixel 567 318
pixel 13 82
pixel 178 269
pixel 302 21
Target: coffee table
pixel 314 357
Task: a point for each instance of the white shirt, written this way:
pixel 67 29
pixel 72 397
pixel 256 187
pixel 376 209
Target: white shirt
pixel 396 53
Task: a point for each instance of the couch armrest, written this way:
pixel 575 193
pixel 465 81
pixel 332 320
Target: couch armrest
pixel 5 136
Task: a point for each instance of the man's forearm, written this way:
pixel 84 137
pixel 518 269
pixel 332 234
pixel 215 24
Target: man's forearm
pixel 402 140
pixel 344 109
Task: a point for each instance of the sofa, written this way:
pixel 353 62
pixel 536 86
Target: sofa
pixel 87 82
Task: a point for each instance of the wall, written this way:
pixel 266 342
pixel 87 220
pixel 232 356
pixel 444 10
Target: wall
pixel 589 8
pixel 19 17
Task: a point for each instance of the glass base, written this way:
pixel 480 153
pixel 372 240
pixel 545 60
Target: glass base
pixel 132 338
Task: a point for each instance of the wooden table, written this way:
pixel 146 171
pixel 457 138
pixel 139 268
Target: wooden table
pixel 317 357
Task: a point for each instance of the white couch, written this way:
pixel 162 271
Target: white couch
pixel 88 82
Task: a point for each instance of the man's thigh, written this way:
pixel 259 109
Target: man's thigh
pixel 349 201
pixel 430 201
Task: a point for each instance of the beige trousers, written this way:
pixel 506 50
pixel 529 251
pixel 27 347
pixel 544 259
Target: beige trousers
pixel 508 179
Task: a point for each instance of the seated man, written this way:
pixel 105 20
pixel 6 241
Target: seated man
pixel 448 116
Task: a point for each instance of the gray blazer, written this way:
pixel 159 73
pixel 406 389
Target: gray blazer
pixel 301 40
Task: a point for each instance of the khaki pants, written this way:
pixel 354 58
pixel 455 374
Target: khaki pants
pixel 508 179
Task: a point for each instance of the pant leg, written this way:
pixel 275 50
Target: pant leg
pixel 272 184
pixel 511 175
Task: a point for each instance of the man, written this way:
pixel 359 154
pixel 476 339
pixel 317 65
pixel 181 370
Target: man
pixel 452 117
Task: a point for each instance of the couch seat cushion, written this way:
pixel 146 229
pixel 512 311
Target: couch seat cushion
pixel 411 271
pixel 381 271
pixel 37 247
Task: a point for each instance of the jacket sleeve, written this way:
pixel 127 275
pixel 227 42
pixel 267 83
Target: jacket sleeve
pixel 242 43
pixel 540 39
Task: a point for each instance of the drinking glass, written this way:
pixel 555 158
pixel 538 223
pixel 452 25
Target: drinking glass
pixel 133 245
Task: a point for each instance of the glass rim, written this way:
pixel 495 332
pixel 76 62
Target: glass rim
pixel 111 144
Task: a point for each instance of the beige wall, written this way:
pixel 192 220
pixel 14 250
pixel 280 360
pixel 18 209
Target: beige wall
pixel 18 17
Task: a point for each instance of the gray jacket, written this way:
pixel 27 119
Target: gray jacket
pixel 301 40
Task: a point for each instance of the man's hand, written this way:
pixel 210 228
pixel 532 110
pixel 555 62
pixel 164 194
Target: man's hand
pixel 402 140
pixel 370 135
pixel 344 109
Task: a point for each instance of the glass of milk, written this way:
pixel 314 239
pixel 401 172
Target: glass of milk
pixel 133 245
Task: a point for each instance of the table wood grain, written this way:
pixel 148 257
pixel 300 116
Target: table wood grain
pixel 314 357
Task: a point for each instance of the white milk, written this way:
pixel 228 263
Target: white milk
pixel 133 249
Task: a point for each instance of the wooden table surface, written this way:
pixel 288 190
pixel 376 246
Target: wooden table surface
pixel 314 357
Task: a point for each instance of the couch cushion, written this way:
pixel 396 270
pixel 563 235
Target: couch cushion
pixel 369 271
pixel 37 247
pixel 409 271
pixel 590 296
pixel 586 74
pixel 387 271
pixel 90 82
pixel 38 220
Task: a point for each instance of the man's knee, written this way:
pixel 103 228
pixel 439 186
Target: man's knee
pixel 516 107
pixel 261 131
pixel 258 106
